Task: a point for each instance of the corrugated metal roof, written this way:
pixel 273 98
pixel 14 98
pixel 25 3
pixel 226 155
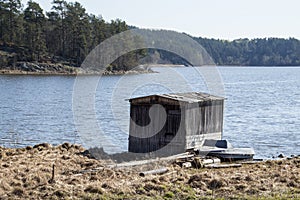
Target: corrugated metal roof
pixel 190 97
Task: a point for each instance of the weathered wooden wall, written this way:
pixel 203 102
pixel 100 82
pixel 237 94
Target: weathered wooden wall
pixel 185 125
pixel 144 135
pixel 203 121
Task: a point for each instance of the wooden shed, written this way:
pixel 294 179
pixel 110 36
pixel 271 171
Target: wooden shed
pixel 174 123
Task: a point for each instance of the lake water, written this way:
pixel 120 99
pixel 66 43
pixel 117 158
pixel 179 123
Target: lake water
pixel 262 107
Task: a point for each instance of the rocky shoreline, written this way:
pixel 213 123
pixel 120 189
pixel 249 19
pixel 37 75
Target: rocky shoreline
pixel 28 68
pixel 39 69
pixel 67 171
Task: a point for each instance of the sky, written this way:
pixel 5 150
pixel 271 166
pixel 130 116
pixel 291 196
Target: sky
pixel 219 19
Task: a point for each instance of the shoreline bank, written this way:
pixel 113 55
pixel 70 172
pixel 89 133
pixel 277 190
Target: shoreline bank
pixel 78 72
pixel 28 173
pixel 107 73
pixel 56 69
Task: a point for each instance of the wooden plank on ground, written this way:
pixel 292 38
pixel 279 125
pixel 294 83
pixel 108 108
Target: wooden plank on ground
pixel 154 172
pixel 213 166
pixel 145 162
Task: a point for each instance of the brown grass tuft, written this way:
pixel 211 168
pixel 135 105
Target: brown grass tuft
pixel 215 184
pixel 240 187
pixel 93 189
pixel 60 194
pixel 18 191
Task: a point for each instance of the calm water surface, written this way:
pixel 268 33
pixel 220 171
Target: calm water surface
pixel 262 107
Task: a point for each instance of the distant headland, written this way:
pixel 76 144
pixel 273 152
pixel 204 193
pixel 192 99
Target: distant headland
pixel 32 42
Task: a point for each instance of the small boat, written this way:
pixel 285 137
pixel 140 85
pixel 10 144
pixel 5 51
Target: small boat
pixel 225 151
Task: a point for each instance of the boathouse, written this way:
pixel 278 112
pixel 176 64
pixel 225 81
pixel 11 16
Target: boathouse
pixel 174 123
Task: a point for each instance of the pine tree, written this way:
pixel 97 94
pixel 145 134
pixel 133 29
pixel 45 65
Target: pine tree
pixel 35 38
pixel 78 30
pixel 10 23
pixel 98 29
pixel 59 8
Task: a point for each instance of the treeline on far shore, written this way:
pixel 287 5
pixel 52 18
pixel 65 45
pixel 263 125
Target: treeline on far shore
pixel 67 33
pixel 255 52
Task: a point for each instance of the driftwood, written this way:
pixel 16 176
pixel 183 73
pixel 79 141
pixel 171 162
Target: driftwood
pixel 144 162
pixel 170 173
pixel 200 163
pixel 250 162
pixel 182 157
pixel 154 172
pixel 136 163
pixel 187 165
pixel 217 166
pixel 211 161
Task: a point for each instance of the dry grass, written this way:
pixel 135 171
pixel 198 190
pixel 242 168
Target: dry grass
pixel 27 173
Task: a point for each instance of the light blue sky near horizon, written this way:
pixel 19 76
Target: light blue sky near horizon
pixel 219 19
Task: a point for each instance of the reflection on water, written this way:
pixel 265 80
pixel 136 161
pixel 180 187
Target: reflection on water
pixel 262 107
